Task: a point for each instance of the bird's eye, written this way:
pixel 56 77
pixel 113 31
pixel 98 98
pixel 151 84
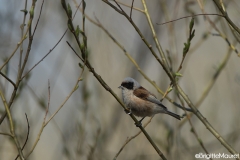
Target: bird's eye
pixel 128 85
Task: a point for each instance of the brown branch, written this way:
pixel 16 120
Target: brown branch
pixel 6 134
pixel 131 138
pixel 28 130
pixel 225 15
pixel 43 123
pixel 12 128
pixel 9 80
pixel 38 17
pixel 137 9
pixel 131 9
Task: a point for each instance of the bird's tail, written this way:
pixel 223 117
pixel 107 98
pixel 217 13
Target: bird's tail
pixel 174 115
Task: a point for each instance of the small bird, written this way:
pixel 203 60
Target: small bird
pixel 141 102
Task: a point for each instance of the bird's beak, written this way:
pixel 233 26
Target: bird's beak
pixel 120 87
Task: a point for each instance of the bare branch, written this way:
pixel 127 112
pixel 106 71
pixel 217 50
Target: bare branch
pixel 9 80
pixel 189 17
pixel 131 138
pixel 28 130
pixel 12 128
pixel 131 9
pixel 222 10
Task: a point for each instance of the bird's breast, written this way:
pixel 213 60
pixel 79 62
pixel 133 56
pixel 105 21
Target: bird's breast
pixel 140 107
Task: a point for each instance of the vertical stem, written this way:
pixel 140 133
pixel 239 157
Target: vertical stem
pixel 154 35
pixel 12 130
pixel 22 34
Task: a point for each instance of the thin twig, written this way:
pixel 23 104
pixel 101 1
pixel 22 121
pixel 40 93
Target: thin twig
pixel 9 80
pixel 229 44
pixel 84 38
pixel 131 9
pixel 119 7
pixel 159 47
pixel 171 30
pixel 75 51
pixel 210 83
pixel 14 51
pixel 38 18
pixel 45 55
pixel 131 138
pixel 137 9
pixel 59 108
pixel 6 134
pixel 31 12
pixel 195 15
pixel 22 32
pixel 43 123
pixel 49 98
pixel 12 128
pixel 193 128
pixel 225 15
pixel 205 121
pixel 28 130
pixel 220 33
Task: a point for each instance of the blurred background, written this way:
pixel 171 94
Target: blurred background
pixel 92 124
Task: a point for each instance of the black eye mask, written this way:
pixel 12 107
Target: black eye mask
pixel 128 85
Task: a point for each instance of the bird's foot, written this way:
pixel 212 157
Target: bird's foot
pixel 138 124
pixel 128 111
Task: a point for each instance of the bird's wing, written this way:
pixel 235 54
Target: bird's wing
pixel 144 94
